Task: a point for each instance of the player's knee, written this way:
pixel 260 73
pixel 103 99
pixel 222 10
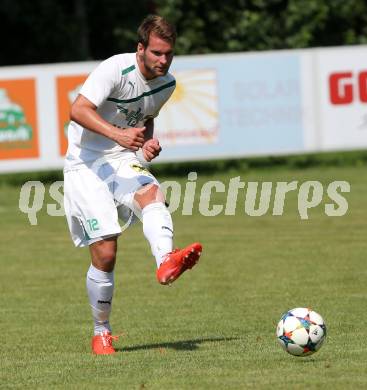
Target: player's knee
pixel 103 257
pixel 148 194
pixel 107 259
pixel 154 193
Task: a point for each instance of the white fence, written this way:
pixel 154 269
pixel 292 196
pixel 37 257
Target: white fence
pixel 227 105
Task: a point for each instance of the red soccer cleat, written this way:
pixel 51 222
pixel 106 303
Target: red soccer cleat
pixel 102 343
pixel 177 262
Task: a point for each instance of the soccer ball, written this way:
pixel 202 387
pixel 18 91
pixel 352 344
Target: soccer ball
pixel 301 331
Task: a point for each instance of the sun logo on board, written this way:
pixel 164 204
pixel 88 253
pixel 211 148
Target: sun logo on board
pixel 179 93
pixel 191 114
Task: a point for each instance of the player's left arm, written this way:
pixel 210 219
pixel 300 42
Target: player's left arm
pixel 151 147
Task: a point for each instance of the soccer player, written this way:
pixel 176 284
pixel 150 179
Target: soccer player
pixel 111 119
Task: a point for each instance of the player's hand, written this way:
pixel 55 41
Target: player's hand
pixel 131 138
pixel 151 149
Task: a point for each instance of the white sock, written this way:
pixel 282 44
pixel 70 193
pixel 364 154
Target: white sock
pixel 158 229
pixel 100 291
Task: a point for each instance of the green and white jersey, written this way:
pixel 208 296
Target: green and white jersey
pixel 124 98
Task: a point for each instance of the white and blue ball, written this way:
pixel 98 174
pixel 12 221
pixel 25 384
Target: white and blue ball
pixel 301 331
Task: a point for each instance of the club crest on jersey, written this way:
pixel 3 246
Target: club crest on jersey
pixel 132 117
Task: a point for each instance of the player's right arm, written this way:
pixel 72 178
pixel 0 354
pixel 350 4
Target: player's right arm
pixel 84 112
pixel 94 92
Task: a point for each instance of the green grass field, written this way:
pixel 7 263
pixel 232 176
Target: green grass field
pixel 215 327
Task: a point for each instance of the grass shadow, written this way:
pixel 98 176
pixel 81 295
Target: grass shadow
pixel 183 345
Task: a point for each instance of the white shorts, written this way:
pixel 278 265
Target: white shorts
pixel 95 198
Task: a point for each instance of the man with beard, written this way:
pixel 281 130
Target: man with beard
pixel 111 119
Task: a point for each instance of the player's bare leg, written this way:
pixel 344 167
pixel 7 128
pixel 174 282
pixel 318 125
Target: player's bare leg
pixel 158 229
pixel 100 284
pixel 103 254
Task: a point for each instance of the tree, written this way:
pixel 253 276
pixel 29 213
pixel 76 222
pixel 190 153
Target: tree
pixel 75 30
pixel 42 31
pixel 242 25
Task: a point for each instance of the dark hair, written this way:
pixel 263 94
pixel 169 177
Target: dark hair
pixel 157 25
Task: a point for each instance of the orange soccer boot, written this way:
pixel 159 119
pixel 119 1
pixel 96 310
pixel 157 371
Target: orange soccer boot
pixel 102 343
pixel 177 262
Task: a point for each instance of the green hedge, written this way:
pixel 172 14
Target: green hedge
pixel 303 161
